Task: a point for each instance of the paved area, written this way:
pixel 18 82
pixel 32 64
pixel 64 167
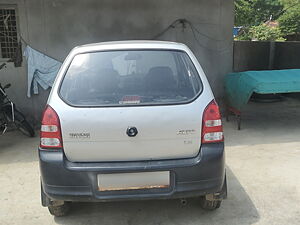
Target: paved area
pixel 263 164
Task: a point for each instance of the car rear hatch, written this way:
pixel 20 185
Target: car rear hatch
pixel 130 105
pixel 101 134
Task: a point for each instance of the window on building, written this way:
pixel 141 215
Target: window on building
pixel 8 32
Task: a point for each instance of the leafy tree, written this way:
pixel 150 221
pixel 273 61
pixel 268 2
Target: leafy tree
pixel 252 14
pixel 289 19
pixel 255 12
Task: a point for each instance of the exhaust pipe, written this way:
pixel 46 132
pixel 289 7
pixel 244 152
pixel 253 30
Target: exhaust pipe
pixel 183 201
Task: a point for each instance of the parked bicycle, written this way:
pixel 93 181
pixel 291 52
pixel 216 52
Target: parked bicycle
pixel 9 115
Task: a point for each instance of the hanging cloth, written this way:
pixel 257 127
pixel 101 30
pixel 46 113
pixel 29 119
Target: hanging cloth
pixel 42 70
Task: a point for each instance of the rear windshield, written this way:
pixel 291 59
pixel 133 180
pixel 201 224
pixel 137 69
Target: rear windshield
pixel 144 77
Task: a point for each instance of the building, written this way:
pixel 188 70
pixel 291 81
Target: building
pixel 54 27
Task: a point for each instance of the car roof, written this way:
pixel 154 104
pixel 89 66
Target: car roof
pixel 132 44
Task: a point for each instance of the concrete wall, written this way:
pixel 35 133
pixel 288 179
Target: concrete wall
pixel 287 55
pixel 250 55
pixel 56 26
pixel 253 55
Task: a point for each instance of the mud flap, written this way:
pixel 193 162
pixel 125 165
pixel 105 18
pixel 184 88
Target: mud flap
pixel 46 201
pixel 220 195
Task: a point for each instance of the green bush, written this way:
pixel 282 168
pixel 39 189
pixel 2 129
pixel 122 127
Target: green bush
pixel 265 33
pixel 261 33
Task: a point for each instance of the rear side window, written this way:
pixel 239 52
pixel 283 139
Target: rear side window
pixel 143 77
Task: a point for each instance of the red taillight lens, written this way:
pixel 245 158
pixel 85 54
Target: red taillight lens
pixel 212 130
pixel 50 129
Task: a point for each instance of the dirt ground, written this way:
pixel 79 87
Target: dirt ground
pixel 263 167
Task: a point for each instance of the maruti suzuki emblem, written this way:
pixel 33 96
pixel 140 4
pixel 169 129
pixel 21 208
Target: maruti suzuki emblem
pixel 131 131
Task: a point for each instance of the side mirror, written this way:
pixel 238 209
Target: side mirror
pixel 7 86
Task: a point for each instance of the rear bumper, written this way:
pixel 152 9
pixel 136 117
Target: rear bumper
pixel 64 180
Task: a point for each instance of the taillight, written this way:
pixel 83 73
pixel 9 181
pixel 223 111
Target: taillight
pixel 50 129
pixel 212 130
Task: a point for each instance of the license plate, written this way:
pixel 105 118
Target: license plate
pixel 133 181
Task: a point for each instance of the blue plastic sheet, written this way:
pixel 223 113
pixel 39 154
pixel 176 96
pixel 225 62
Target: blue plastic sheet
pixel 240 86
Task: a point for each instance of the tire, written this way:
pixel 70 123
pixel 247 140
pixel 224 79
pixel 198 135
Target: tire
pixel 209 205
pixel 60 210
pixel 22 125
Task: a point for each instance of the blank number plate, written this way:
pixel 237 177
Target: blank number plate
pixel 133 181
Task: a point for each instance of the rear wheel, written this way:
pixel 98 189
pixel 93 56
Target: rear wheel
pixel 60 210
pixel 210 204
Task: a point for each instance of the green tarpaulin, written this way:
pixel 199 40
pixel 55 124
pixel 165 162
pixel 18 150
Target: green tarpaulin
pixel 240 86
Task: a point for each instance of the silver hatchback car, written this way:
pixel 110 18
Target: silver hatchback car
pixel 131 120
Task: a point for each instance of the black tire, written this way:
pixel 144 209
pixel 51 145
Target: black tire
pixel 22 125
pixel 210 205
pixel 60 210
